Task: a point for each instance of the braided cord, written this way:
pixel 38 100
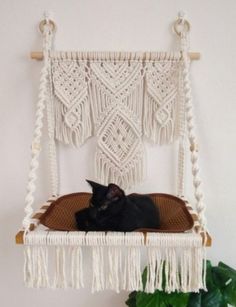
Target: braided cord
pixel 200 205
pixel 36 143
pixel 52 148
pixel 181 168
pixel 182 144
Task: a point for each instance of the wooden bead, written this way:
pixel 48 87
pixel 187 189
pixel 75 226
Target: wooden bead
pixel 194 147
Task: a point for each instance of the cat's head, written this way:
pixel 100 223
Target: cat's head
pixel 105 199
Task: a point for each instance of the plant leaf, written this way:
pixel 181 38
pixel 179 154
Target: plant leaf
pixel 219 277
pixel 222 276
pixel 176 299
pixel 213 298
pixel 131 301
pixel 150 299
pixel 195 300
pixel 221 285
pixel 144 277
pixel 223 265
pixel 209 277
pixel 227 270
pixel 229 293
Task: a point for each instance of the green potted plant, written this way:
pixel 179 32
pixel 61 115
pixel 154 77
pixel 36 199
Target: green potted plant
pixel 221 286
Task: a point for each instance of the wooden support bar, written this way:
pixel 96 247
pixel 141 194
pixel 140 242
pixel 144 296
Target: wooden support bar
pixel 19 238
pixel 208 242
pixel 38 55
pixel 197 226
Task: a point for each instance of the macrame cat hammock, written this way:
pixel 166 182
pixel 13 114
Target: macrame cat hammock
pixel 121 98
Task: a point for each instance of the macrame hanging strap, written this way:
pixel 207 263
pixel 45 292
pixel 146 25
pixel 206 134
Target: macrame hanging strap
pixel 46 28
pixel 182 28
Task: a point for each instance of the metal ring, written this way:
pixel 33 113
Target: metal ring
pixel 181 27
pixel 44 22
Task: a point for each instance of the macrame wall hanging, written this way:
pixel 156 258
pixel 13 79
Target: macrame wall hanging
pixel 121 98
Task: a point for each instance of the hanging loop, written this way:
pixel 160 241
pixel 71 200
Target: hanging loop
pixel 181 26
pixel 49 23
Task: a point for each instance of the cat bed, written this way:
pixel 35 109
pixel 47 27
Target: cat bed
pixel 174 215
pixel 119 98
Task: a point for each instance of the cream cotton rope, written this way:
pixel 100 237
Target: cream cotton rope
pixel 36 143
pixel 121 98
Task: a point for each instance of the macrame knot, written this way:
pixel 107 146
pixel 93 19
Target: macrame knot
pixel 194 147
pixel 181 16
pixel 47 25
pixel 36 147
pixel 182 26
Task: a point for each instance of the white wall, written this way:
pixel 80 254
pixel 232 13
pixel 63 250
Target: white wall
pixel 114 25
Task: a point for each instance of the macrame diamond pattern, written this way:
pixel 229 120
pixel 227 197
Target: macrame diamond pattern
pixel 119 138
pixel 120 101
pixel 119 135
pixel 161 98
pixel 73 123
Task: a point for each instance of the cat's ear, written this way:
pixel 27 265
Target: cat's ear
pixel 94 185
pixel 114 192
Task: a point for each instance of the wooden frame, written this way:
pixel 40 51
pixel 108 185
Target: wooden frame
pixel 19 238
pixel 38 55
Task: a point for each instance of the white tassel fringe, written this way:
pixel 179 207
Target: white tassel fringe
pixel 175 262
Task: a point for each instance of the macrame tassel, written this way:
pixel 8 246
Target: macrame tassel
pixel 96 240
pixel 154 270
pixel 76 240
pixel 36 260
pixel 72 133
pixel 35 267
pixel 160 106
pixel 28 270
pixel 191 269
pixel 115 242
pixel 77 280
pixel 154 125
pixel 71 103
pixel 162 262
pixel 60 269
pixel 176 258
pixel 132 264
pixel 171 270
pixel 185 272
pixel 106 171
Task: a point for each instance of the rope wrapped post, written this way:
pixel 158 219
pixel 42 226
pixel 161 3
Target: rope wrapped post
pixel 46 27
pixel 182 28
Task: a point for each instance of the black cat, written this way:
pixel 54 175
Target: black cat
pixel 111 210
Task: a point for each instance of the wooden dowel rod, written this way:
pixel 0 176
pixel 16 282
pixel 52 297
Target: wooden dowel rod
pixel 20 238
pixel 38 55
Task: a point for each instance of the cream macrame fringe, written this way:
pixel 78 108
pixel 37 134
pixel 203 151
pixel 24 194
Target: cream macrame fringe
pixel 72 133
pixel 107 172
pixel 116 260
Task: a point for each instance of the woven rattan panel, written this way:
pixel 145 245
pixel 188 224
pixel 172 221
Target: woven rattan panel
pixel 173 213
